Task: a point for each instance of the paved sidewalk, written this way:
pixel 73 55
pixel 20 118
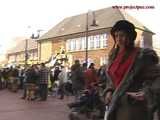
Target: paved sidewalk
pixel 14 108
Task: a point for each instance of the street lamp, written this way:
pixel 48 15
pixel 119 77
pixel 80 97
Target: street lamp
pixel 26 44
pixel 26 55
pixel 36 38
pixel 26 51
pixel 38 32
pixel 87 29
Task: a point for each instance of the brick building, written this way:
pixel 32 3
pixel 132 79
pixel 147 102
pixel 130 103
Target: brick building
pixel 16 55
pixel 71 34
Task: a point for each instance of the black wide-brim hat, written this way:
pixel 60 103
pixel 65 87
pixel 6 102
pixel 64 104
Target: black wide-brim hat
pixel 126 26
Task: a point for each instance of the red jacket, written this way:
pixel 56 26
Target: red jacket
pixel 90 78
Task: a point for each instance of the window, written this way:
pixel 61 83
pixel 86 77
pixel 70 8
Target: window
pixel 91 42
pixel 83 43
pixel 97 41
pixel 73 44
pixel 68 45
pixel 36 52
pixel 78 43
pixel 34 55
pixel 30 55
pixel 104 40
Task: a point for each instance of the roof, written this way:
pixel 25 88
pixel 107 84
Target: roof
pixel 105 18
pixel 20 46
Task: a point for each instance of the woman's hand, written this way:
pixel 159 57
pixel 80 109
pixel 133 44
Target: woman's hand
pixel 108 97
pixel 136 95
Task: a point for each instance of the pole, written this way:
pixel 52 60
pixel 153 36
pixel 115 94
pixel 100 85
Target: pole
pixel 87 29
pixel 86 59
pixel 26 52
pixel 39 46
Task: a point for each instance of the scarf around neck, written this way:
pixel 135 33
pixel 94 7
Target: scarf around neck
pixel 117 69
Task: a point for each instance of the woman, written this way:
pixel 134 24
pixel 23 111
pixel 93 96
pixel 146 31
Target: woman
pixel 91 78
pixel 128 72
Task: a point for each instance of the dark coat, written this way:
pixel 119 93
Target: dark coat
pixel 43 75
pixel 152 90
pixel 31 76
pixel 122 107
pixel 77 77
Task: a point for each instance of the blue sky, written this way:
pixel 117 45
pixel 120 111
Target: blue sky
pixel 17 15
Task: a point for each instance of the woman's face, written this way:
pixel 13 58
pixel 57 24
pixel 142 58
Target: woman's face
pixel 121 38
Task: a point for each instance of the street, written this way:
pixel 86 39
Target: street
pixel 14 108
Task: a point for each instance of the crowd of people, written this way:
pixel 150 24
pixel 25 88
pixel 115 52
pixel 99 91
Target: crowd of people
pixel 129 85
pixel 68 81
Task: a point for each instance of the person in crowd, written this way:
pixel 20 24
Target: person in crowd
pixel 56 73
pixel 90 77
pixel 51 79
pixel 14 81
pixel 31 78
pixel 68 85
pixel 1 82
pixel 102 76
pixel 131 72
pixel 5 75
pixel 77 78
pixel 62 77
pixel 90 99
pixel 21 78
pixel 43 82
pixel 84 67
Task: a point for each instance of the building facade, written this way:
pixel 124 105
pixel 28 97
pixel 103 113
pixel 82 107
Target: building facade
pixel 25 51
pixel 72 34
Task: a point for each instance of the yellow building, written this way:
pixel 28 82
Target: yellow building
pixel 24 51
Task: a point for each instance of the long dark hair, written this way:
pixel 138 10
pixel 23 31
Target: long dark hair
pixel 129 29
